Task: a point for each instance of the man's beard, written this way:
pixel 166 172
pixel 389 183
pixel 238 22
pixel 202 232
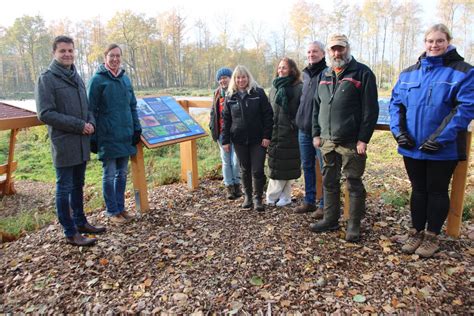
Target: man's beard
pixel 339 62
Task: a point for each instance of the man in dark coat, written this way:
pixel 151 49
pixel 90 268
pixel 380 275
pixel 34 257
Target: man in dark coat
pixel 304 118
pixel 344 117
pixel 61 103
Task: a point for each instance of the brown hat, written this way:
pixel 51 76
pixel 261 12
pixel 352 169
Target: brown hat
pixel 338 40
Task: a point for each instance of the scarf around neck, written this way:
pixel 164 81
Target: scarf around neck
pixel 280 83
pixel 69 73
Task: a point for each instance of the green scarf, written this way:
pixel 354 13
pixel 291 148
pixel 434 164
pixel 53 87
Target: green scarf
pixel 280 83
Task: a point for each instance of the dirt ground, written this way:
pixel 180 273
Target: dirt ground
pixel 197 253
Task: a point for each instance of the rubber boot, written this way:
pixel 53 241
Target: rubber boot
pixel 356 212
pixel 247 183
pixel 332 212
pixel 258 184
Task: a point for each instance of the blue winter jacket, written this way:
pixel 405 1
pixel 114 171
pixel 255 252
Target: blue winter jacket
pixel 434 100
pixel 113 103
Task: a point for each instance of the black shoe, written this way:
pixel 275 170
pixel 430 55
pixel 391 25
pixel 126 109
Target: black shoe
pixel 79 240
pixel 230 192
pixel 237 190
pixel 258 205
pixel 247 202
pixel 89 229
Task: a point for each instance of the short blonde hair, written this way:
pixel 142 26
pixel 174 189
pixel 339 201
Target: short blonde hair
pixel 442 28
pixel 241 70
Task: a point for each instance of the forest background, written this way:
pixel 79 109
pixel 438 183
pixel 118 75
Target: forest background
pixel 173 50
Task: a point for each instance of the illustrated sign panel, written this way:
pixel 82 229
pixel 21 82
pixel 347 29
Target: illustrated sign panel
pixel 384 114
pixel 163 119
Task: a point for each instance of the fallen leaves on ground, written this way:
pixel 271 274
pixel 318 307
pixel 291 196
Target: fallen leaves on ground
pixel 198 253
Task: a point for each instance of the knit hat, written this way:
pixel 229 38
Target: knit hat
pixel 224 71
pixel 338 40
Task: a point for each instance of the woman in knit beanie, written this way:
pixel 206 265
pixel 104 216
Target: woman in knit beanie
pixel 230 162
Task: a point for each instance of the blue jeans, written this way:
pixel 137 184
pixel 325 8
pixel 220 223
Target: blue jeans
pixel 309 154
pixel 114 181
pixel 230 165
pixel 69 196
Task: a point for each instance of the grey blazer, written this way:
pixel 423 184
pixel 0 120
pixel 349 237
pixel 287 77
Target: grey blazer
pixel 61 103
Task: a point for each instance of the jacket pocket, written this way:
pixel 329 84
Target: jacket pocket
pixel 410 93
pixel 440 92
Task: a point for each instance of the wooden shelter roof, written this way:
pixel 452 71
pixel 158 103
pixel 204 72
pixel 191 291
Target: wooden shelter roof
pixel 12 117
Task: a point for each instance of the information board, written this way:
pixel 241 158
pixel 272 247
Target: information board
pixel 164 121
pixel 384 114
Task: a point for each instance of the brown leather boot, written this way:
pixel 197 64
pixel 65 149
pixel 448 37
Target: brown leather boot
pixel 305 208
pixel 79 240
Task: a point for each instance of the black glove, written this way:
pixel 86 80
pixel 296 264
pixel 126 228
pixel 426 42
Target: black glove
pixel 404 140
pixel 94 148
pixel 136 137
pixel 430 146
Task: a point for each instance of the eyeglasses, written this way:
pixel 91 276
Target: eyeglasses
pixel 112 56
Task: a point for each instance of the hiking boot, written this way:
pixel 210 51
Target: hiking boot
pixel 237 190
pixel 127 215
pixel 230 192
pixel 89 229
pixel 79 240
pixel 319 214
pixel 118 219
pixel 414 241
pixel 305 208
pixel 429 245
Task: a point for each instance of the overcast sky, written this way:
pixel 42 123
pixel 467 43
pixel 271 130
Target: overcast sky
pixel 240 11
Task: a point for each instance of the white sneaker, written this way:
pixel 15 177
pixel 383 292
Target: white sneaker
pixel 283 202
pixel 270 202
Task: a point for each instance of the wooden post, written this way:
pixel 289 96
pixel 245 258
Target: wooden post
pixel 9 188
pixel 346 202
pixel 139 180
pixel 458 187
pixel 188 157
pixel 319 181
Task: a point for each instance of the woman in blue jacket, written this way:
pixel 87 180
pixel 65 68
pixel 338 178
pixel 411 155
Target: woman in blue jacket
pixel 113 103
pixel 430 109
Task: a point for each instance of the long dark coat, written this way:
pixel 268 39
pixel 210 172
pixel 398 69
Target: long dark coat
pixel 283 153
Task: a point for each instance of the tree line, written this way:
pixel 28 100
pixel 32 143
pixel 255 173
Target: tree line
pixel 173 50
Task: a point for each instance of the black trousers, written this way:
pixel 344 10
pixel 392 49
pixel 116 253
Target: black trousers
pixel 429 202
pixel 252 161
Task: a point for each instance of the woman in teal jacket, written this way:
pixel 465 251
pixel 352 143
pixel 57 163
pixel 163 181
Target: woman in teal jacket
pixel 113 103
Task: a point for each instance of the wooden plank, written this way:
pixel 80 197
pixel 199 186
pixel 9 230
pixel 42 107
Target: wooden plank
pixel 458 188
pixel 346 202
pixel 8 187
pixel 5 167
pixel 319 181
pixel 188 156
pixel 189 166
pixel 20 122
pixel 139 180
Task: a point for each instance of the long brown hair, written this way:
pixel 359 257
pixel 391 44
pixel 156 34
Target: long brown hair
pixel 294 71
